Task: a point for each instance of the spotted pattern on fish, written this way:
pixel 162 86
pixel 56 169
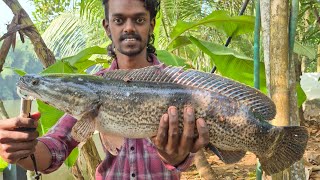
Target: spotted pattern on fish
pixel 130 103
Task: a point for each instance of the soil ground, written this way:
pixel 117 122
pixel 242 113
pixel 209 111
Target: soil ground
pixel 246 168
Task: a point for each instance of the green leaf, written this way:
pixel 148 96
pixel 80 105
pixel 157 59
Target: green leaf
pixel 59 67
pixel 72 158
pixel 302 97
pixel 171 59
pixel 49 117
pixel 3 165
pixel 84 55
pixel 231 64
pixel 231 26
pixel 20 72
pixel 156 30
pixel 213 49
pixel 179 42
pixel 308 51
pixel 82 66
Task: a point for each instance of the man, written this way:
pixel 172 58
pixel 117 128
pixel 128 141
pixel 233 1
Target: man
pixel 129 24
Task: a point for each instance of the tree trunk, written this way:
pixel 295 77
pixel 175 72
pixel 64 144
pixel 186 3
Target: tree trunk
pixel 76 171
pixel 301 35
pixel 279 72
pixel 298 75
pixel 279 60
pixel 304 64
pixel 318 62
pixel 44 54
pixel 297 170
pixel 265 24
pixel 203 167
pixel 91 156
pixel 5 47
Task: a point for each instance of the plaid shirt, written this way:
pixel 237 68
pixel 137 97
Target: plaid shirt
pixel 137 159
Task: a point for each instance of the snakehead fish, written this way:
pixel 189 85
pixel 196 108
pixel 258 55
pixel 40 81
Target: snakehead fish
pixel 130 103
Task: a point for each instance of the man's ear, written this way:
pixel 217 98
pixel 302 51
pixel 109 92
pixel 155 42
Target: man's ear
pixel 105 25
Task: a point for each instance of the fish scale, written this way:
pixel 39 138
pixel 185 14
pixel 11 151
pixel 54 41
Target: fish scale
pixel 130 103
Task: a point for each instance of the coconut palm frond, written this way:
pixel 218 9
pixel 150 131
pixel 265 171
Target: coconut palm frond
pixel 69 33
pixel 92 10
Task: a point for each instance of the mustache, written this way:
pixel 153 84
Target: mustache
pixel 130 36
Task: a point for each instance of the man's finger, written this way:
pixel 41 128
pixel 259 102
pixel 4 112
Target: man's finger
pixel 173 134
pixel 18 122
pixel 17 136
pixel 18 146
pixel 162 136
pixel 13 158
pixel 203 138
pixel 186 141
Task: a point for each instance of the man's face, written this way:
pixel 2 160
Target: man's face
pixel 129 26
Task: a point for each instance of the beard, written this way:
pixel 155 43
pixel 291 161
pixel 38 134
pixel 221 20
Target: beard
pixel 132 50
pixel 129 51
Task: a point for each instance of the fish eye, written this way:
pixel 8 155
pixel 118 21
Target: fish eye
pixel 35 82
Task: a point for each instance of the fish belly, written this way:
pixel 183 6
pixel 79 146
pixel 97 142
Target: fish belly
pixel 136 113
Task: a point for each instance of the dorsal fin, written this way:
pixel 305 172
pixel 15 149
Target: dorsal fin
pixel 260 104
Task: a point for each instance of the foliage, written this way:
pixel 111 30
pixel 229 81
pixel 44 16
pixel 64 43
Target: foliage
pixel 75 32
pixel 22 58
pixel 3 165
pixel 188 33
pixel 72 158
pixel 308 26
pixel 308 31
pixel 220 20
pixel 46 11
pixel 305 50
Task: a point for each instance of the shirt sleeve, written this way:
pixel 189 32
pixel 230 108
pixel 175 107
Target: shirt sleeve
pixel 59 141
pixel 183 166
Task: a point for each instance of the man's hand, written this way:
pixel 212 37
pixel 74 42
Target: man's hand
pixel 18 137
pixel 174 147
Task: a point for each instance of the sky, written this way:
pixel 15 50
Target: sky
pixel 6 14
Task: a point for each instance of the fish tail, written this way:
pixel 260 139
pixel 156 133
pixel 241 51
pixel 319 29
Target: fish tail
pixel 287 148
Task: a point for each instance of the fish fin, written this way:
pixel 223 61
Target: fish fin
pixel 227 157
pixel 83 130
pixel 288 147
pixel 260 105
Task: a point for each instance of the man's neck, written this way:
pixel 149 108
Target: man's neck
pixel 132 62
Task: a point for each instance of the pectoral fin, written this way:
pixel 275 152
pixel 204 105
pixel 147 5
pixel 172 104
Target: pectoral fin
pixel 227 157
pixel 83 130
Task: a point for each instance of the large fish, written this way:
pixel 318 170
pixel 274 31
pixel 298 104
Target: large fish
pixel 130 103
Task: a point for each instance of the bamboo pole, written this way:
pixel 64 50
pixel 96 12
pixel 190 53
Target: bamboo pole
pixel 256 57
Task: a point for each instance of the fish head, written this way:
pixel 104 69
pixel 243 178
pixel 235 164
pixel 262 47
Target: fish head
pixel 67 93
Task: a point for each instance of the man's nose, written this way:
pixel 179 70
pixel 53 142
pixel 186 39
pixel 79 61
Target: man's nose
pixel 129 27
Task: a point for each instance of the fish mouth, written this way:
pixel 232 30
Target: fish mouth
pixel 25 93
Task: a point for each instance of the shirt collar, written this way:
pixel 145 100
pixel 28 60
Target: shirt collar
pixel 155 61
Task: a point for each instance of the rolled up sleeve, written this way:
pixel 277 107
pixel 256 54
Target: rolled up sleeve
pixel 59 141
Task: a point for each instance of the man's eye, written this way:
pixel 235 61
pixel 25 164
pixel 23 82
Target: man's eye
pixel 117 20
pixel 140 20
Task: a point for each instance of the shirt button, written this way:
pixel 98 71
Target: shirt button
pixel 133 175
pixel 132 148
